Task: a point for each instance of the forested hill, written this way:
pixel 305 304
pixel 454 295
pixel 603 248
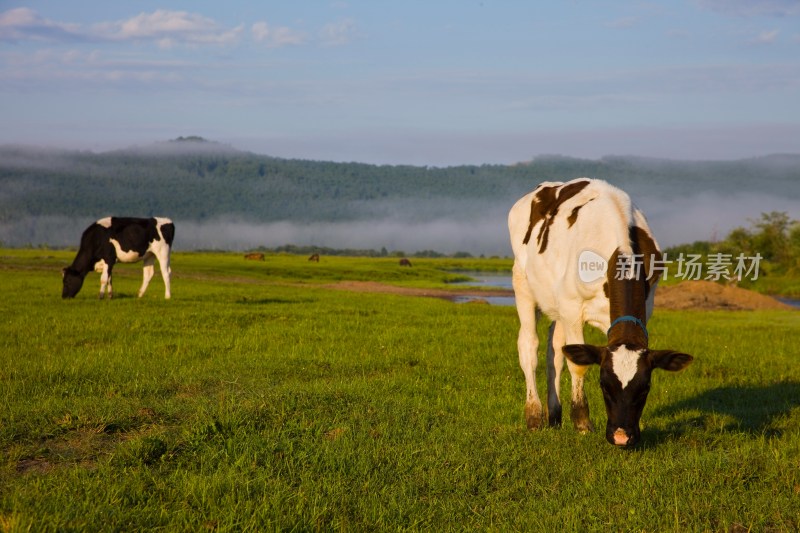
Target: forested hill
pixel 200 181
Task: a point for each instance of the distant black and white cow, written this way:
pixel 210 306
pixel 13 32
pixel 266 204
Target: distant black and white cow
pixel 583 254
pixel 125 240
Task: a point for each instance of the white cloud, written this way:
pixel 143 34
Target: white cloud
pixel 26 24
pixel 338 33
pixel 163 27
pixel 167 28
pixel 163 22
pixel 276 37
pixel 72 68
pixel 260 31
pixel 766 37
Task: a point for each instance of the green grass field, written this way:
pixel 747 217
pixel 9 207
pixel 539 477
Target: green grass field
pixel 261 399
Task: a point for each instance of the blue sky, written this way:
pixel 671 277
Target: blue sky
pixel 433 82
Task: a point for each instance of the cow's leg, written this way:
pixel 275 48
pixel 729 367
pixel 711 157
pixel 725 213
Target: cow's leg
pixel 105 280
pixel 579 412
pixel 527 345
pixel 166 272
pixel 555 364
pixel 147 272
pixel 162 254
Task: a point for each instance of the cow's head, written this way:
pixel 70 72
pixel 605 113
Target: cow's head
pixel 73 281
pixel 625 372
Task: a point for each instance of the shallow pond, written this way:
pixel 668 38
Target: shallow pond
pixel 488 279
pixel 503 281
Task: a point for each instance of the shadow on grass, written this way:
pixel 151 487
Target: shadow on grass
pixel 736 409
pixel 118 296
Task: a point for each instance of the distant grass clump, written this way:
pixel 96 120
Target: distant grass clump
pixel 262 398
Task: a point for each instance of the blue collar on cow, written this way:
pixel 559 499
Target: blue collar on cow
pixel 629 318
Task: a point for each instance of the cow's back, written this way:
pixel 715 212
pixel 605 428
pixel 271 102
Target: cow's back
pixel 553 225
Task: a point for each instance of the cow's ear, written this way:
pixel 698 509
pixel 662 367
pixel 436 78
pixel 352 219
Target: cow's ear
pixel 584 354
pixel 64 271
pixel 669 359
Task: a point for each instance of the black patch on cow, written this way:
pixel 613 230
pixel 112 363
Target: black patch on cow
pixel 626 297
pixel 168 231
pixel 573 217
pixel 545 205
pixel 629 296
pixel 643 244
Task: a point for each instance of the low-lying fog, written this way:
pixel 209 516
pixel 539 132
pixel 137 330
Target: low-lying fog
pixel 676 220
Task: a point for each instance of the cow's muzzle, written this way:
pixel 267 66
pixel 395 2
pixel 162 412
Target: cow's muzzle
pixel 622 438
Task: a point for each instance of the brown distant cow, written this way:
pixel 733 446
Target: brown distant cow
pixel 404 262
pixel 254 256
pixel 314 257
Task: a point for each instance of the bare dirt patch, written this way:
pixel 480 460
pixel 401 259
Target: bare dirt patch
pixel 374 286
pixel 712 296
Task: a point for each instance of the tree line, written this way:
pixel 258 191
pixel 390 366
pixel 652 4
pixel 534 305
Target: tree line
pixel 194 179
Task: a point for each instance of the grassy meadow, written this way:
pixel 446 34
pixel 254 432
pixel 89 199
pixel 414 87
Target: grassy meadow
pixel 261 398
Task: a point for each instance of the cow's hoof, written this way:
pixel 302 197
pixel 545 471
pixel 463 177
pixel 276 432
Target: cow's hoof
pixel 579 414
pixel 534 417
pixel 554 419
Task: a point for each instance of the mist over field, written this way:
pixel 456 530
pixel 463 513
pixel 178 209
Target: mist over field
pixel 677 220
pixel 224 199
pixel 674 221
pixel 709 215
pixel 484 236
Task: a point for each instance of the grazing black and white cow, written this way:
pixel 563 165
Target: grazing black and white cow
pixel 583 254
pixel 124 240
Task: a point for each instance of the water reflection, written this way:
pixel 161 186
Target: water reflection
pixel 492 280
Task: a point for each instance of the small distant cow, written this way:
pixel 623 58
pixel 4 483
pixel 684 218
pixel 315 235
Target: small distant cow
pixel 556 231
pixel 255 256
pixel 125 240
pixel 404 262
pixel 314 258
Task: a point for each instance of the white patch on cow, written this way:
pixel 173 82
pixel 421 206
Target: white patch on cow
pixel 625 363
pixel 100 266
pixel 125 256
pixel 105 222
